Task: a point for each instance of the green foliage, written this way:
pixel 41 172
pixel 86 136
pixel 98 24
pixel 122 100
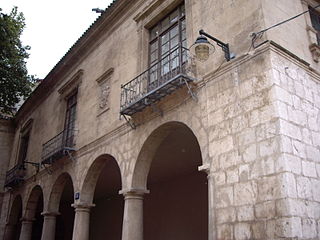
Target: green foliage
pixel 15 83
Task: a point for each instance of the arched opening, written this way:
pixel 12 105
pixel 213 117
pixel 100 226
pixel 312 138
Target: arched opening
pixel 177 206
pixel 13 226
pixel 61 199
pixel 38 223
pixel 102 186
pixel 34 209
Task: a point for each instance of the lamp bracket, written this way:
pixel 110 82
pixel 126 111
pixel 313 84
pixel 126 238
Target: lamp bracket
pixel 224 46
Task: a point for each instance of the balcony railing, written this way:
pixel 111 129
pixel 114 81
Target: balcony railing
pixel 158 81
pixel 15 176
pixel 58 146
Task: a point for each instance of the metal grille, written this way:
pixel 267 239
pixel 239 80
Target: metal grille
pixel 15 175
pixel 157 81
pixel 55 148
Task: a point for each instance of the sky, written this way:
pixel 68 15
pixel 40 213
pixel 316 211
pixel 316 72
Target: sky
pixel 52 27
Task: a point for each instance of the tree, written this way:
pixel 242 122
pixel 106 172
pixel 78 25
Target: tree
pixel 15 83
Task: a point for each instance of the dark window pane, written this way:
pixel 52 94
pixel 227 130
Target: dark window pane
pixel 24 148
pixel 154 57
pixel 165 54
pixel 154 32
pixel 165 48
pixel 153 46
pixel 174 42
pixel 70 119
pixel 174 31
pixel 183 10
pixel 165 38
pixel 165 23
pixel 174 16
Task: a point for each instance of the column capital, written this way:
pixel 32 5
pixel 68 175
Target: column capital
pixel 205 168
pixel 134 193
pixel 82 207
pixel 50 214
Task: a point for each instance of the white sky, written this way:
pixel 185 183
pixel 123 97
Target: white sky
pixel 52 27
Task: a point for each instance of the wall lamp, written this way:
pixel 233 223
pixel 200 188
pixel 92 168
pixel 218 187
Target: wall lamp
pixel 202 48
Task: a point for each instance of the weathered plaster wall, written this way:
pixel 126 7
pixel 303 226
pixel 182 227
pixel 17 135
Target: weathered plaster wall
pixel 294 35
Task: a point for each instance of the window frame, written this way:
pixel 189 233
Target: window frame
pixel 157 38
pixel 24 142
pixel 159 32
pixel 315 21
pixel 312 33
pixel 71 102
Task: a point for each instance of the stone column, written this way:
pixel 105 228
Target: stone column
pixel 49 225
pixel 26 229
pixel 81 221
pixel 132 228
pixel 212 232
pixel 9 231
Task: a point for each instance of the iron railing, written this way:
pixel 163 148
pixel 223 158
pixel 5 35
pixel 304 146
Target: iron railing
pixel 159 80
pixel 15 175
pixel 56 147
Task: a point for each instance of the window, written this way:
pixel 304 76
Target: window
pixel 70 119
pixel 104 91
pixel 24 141
pixel 24 147
pixel 315 21
pixel 167 38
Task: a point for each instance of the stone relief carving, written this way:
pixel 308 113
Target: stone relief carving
pixel 104 95
pixel 104 90
pixel 315 51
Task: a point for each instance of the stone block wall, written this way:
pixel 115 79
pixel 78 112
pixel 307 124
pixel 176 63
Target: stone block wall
pixel 297 91
pixel 264 146
pixel 244 145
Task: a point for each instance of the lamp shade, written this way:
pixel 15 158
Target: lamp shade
pixel 202 48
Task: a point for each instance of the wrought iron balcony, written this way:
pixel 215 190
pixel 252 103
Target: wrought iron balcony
pixel 58 147
pixel 158 81
pixel 15 176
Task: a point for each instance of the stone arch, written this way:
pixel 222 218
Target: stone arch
pixel 16 210
pixel 33 210
pixel 56 192
pixel 100 190
pixel 13 226
pixel 92 175
pixel 35 195
pixel 176 206
pixel 148 150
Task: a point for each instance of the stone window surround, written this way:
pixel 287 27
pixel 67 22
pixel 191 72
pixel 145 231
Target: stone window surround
pixel 67 89
pixel 313 46
pixel 104 84
pixel 73 83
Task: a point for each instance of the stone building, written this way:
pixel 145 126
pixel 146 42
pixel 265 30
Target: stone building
pixel 131 137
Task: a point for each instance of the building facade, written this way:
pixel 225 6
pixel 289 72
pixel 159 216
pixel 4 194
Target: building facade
pixel 131 137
